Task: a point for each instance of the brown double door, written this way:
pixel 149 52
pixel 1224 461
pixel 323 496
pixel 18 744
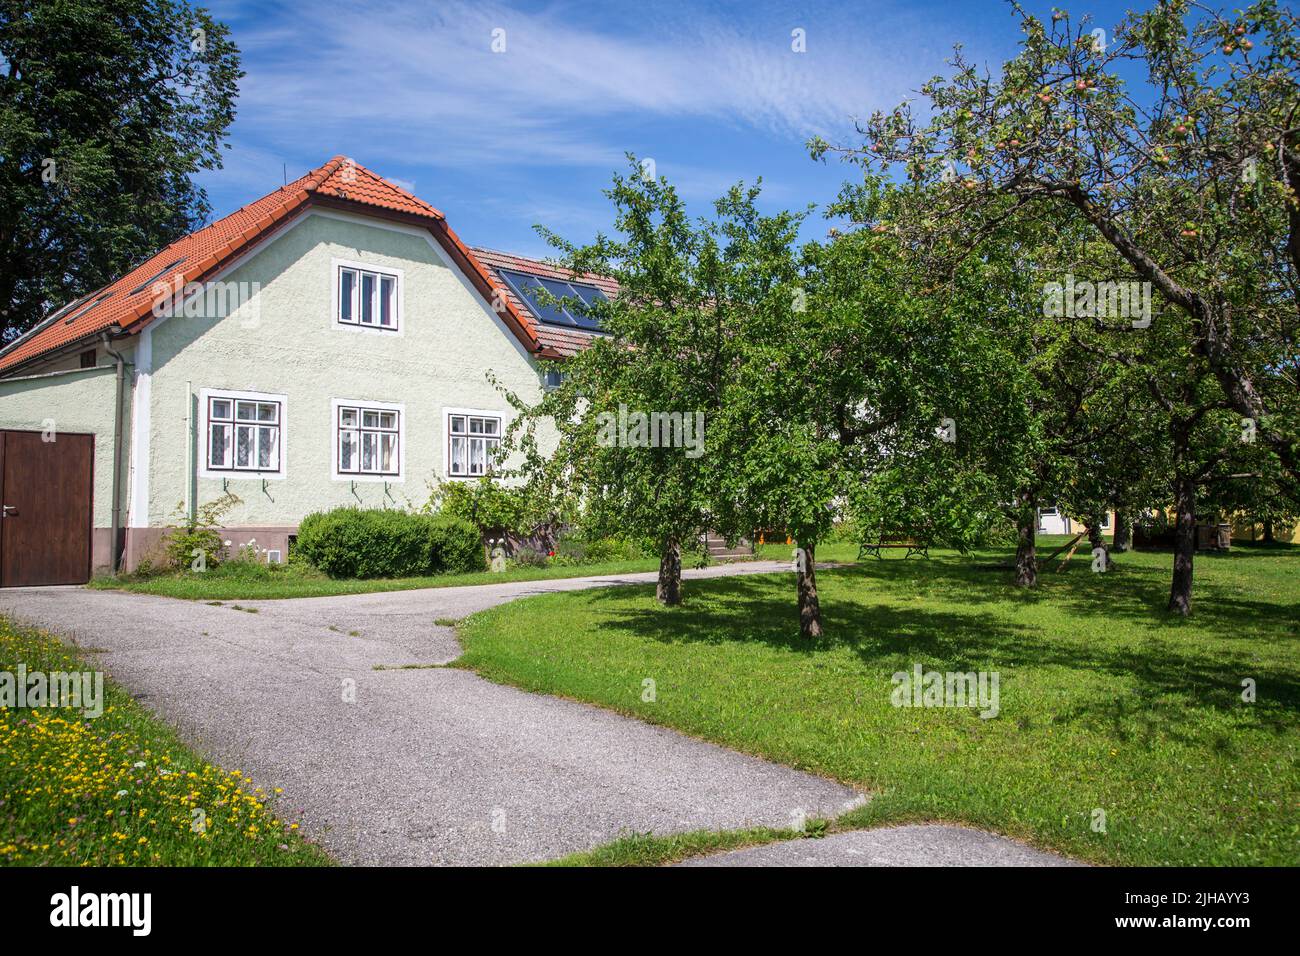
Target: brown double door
pixel 46 489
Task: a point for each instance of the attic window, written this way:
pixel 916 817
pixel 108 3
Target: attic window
pixel 156 276
pixel 368 298
pixel 88 358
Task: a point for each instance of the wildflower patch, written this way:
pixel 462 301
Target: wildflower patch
pixel 119 790
pixel 78 690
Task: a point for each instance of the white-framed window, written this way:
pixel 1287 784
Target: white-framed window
pixel 368 440
pixel 1048 512
pixel 242 434
pixel 1105 519
pixel 473 438
pixel 367 297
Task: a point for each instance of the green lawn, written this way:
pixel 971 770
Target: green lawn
pixel 1106 702
pixel 120 789
pixel 232 582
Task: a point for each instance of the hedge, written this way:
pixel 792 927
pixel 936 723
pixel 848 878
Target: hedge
pixel 381 543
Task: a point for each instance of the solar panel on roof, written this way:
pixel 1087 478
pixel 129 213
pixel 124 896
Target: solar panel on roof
pixel 525 287
pixel 568 312
pixel 573 305
pixel 561 290
pixel 590 295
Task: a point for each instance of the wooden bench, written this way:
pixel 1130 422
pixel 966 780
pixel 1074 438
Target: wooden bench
pixel 912 545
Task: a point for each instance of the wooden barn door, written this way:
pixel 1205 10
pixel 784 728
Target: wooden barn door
pixel 46 489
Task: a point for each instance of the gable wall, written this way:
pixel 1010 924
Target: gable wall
pixel 291 345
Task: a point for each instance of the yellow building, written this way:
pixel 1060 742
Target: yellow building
pixel 1244 530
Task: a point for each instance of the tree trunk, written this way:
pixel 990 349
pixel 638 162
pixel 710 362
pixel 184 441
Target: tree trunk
pixel 1026 556
pixel 668 589
pixel 810 610
pixel 1123 532
pixel 1095 541
pixel 1268 532
pixel 1180 591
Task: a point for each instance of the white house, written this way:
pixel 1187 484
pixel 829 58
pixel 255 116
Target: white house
pixel 1051 520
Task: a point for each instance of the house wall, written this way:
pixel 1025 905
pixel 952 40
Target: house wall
pixel 290 344
pixel 1053 523
pixel 74 402
pixel 1059 523
pixel 1243 529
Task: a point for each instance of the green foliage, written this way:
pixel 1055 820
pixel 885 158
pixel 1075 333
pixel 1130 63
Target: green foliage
pixel 384 543
pixel 528 558
pixel 1172 145
pixel 370 543
pixel 106 111
pixel 672 329
pixel 941 504
pixel 573 549
pixel 487 504
pixel 455 546
pixel 1163 151
pixel 195 543
pixel 845 530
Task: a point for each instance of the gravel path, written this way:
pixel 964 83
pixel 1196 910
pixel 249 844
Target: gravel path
pixel 915 845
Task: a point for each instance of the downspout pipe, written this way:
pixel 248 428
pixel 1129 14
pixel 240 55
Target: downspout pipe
pixel 114 549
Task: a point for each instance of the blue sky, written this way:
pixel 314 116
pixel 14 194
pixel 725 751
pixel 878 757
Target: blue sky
pixel 498 141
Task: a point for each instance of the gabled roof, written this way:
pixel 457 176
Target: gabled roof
pixel 340 184
pixel 563 342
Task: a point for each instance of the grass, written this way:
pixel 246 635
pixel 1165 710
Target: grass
pixel 120 789
pixel 230 582
pixel 647 849
pixel 1106 703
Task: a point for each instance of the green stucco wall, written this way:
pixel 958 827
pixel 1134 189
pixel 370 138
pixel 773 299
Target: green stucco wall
pixel 292 345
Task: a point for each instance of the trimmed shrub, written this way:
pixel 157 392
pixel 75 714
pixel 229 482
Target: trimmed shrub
pixel 381 543
pixel 454 546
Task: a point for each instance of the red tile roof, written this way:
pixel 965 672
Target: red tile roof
pixel 563 342
pixel 340 183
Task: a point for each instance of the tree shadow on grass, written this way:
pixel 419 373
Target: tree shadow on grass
pixel 1164 674
pixel 1129 593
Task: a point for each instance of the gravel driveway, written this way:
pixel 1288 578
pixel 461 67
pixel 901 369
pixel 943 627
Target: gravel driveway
pixel 912 845
pixel 427 766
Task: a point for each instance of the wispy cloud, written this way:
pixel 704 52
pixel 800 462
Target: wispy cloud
pixel 712 90
pixel 427 80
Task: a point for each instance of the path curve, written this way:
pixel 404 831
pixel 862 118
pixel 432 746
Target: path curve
pixel 428 766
